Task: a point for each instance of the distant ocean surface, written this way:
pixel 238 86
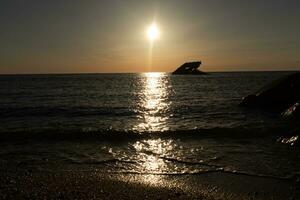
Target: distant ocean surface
pixel 141 123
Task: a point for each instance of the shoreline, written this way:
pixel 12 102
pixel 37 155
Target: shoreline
pixel 23 184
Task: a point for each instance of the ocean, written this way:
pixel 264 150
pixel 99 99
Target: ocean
pixel 148 123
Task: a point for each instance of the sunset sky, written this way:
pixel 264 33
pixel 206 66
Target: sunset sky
pixel 89 36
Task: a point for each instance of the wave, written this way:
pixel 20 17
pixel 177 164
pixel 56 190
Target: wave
pixel 73 111
pixel 128 135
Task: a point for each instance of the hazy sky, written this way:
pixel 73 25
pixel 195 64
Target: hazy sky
pixel 72 36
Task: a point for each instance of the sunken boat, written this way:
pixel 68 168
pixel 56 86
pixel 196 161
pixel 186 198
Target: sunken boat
pixel 189 68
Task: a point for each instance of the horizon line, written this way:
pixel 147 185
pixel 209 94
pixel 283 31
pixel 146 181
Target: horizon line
pixel 77 73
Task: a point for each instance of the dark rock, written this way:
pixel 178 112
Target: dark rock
pixel 278 96
pixel 189 68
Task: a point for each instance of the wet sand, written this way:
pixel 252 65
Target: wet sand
pixel 98 185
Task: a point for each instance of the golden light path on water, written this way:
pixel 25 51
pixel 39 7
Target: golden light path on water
pixel 154 103
pixel 154 106
pixel 147 155
pixel 150 155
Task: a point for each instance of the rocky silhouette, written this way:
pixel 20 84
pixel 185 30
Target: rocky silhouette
pixel 280 95
pixel 189 68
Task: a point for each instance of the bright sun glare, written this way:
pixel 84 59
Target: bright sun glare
pixel 152 32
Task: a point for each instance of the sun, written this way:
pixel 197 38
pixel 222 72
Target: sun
pixel 153 32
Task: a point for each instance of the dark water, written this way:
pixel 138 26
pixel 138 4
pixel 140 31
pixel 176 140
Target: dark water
pixel 142 123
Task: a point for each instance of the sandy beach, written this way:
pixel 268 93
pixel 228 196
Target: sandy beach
pixel 97 185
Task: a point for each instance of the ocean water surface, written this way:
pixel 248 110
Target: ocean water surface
pixel 153 123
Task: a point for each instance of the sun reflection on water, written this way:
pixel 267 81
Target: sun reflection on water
pixel 150 154
pixel 153 109
pixel 154 103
